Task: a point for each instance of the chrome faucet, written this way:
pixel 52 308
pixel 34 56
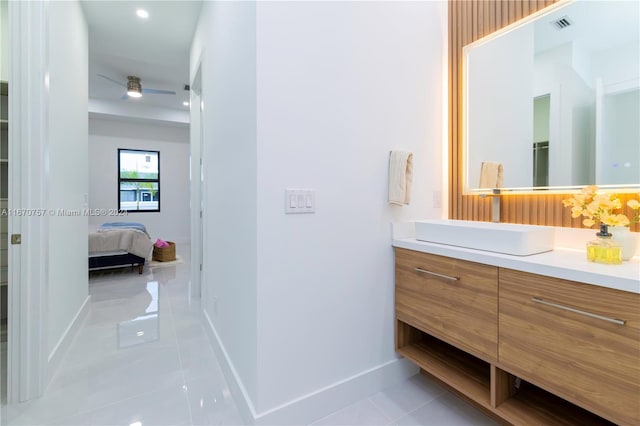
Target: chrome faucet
pixel 495 204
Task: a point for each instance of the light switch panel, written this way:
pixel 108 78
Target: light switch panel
pixel 300 201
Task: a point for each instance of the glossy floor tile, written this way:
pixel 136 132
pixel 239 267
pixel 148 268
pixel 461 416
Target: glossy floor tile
pixel 446 410
pixel 418 401
pixel 142 358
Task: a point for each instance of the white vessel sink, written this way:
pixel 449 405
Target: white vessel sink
pixel 508 238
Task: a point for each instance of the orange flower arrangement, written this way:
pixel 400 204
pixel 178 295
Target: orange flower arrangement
pixel 599 208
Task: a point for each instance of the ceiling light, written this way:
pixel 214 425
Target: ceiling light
pixel 134 88
pixel 142 13
pixel 185 103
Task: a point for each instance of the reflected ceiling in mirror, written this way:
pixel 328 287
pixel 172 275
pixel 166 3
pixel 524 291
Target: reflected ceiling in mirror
pixel 551 103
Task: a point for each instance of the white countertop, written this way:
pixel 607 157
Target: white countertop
pixel 565 263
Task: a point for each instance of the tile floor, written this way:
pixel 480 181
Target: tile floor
pixel 142 358
pixel 416 402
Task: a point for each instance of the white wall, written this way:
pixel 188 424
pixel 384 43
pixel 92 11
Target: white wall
pixel 303 302
pixel 68 171
pixel 339 86
pixel 225 41
pixel 105 137
pixel 139 112
pixel 501 125
pixel 583 131
pixel 618 65
pixel 572 108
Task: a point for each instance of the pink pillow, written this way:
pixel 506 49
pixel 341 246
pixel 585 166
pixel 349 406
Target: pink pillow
pixel 161 243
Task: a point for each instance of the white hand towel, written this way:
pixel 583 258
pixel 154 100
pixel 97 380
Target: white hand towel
pixel 491 175
pixel 400 177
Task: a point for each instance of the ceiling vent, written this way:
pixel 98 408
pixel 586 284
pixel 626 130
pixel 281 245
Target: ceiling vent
pixel 561 23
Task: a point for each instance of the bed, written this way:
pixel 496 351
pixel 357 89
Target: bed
pixel 119 244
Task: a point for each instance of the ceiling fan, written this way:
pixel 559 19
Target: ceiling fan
pixel 134 87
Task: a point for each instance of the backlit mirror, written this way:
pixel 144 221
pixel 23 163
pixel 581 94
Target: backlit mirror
pixel 553 101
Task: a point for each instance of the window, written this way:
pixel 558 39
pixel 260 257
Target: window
pixel 138 180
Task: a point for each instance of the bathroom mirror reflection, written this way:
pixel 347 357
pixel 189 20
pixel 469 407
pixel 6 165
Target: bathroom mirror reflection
pixel 555 100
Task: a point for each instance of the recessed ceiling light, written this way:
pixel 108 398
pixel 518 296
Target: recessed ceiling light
pixel 185 103
pixel 142 13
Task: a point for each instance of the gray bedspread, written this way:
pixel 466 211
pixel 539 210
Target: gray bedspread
pixel 130 240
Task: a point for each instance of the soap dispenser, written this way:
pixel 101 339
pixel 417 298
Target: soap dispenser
pixel 603 249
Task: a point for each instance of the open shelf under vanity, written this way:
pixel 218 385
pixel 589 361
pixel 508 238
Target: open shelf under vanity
pixel 495 391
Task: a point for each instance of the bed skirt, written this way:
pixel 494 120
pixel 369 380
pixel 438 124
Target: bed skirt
pixel 117 260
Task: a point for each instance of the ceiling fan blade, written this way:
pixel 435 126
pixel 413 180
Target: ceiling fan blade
pixel 124 97
pixel 119 83
pixel 158 92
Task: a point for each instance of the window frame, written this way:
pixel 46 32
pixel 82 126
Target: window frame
pixel 138 180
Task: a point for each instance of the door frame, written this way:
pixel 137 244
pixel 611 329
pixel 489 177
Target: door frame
pixel 28 193
pixel 196 148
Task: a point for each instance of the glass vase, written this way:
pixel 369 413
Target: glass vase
pixel 603 249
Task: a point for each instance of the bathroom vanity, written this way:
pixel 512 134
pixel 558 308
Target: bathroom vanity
pixel 542 339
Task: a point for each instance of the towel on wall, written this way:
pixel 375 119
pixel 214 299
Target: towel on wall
pixel 400 177
pixel 491 174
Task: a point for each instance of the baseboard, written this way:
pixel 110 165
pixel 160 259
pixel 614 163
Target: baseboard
pixel 315 405
pixel 322 402
pixel 56 355
pixel 239 392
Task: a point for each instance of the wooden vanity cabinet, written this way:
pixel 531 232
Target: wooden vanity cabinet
pixel 528 349
pixel 453 300
pixel 579 341
pixel 446 319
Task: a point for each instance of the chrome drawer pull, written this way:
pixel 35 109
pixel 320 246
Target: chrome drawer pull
pixel 578 311
pixel 446 277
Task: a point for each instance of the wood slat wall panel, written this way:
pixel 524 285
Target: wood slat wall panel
pixel 491 12
pixel 470 20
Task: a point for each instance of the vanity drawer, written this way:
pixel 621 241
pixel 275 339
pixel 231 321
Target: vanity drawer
pixel 453 300
pixel 579 341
